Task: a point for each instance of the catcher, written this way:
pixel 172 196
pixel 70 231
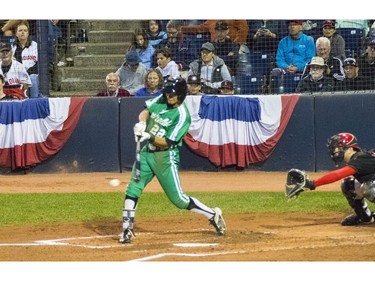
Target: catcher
pixel 358 177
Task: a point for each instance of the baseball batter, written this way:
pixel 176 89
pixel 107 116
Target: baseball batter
pixel 163 124
pixel 358 176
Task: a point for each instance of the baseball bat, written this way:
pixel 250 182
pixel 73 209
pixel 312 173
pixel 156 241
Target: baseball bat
pixel 137 174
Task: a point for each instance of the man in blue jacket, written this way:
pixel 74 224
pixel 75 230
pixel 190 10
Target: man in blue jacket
pixel 295 50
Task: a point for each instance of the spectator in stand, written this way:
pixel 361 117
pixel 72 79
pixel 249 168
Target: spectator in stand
pixel 13 71
pixel 225 48
pixel 352 23
pixel 153 84
pixel 226 88
pixel 9 93
pixel 312 27
pixel 266 34
pixel 295 50
pixel 140 44
pixel 166 66
pixel 181 52
pixel 112 81
pixel 9 28
pixel 337 41
pixel 4 96
pixel 238 30
pixel 353 81
pixel 154 32
pixel 316 80
pixel 25 51
pixel 211 69
pixel 334 65
pixel 366 62
pixel 132 73
pixel 194 86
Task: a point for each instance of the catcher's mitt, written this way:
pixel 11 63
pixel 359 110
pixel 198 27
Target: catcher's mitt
pixel 295 183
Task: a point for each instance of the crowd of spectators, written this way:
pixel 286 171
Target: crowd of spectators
pixel 313 52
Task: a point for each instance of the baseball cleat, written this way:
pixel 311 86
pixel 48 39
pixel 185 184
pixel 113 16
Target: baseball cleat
pixel 355 220
pixel 218 221
pixel 127 236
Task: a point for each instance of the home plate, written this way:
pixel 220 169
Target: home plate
pixel 195 244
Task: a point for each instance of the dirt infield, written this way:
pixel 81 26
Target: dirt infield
pixel 250 237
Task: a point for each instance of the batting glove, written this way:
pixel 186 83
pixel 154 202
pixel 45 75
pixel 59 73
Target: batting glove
pixel 139 128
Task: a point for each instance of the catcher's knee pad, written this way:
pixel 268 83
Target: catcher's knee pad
pixel 368 190
pixel 348 188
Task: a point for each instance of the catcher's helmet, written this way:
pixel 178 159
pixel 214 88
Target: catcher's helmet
pixel 339 143
pixel 176 87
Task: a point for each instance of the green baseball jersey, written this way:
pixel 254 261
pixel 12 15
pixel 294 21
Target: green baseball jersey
pixel 167 122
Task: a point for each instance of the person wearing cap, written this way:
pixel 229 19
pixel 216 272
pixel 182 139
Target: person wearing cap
pixel 132 73
pixel 194 86
pixel 295 50
pixel 334 64
pixel 353 81
pixel 337 41
pixel 226 88
pixel 316 80
pixel 211 69
pixel 366 62
pixel 112 81
pixel 13 71
pixel 238 30
pixel 153 84
pixel 225 48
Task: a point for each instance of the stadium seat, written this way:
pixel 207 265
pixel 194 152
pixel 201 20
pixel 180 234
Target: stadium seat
pixel 281 82
pixel 262 63
pixel 353 40
pixel 248 84
pixel 291 82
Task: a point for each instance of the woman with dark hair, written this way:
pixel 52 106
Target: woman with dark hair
pixel 140 44
pixel 154 32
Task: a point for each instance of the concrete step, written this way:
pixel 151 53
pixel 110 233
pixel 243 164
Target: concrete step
pixel 59 94
pixel 85 73
pixel 109 36
pixel 114 24
pixel 114 61
pixel 90 48
pixel 79 84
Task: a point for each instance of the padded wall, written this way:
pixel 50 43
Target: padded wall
pixel 354 113
pixel 94 144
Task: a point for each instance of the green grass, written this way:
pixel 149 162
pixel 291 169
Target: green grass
pixel 30 209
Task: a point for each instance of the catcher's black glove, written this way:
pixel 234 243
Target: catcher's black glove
pixel 297 182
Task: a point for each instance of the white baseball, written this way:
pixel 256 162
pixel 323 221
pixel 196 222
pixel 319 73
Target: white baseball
pixel 114 182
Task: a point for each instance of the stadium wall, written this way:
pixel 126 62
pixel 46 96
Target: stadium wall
pixel 103 140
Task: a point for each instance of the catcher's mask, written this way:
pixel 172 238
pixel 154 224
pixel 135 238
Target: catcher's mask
pixel 175 87
pixel 338 144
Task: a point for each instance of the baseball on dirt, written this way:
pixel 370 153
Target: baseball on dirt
pixel 114 182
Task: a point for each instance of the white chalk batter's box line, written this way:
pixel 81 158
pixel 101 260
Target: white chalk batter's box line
pixel 62 242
